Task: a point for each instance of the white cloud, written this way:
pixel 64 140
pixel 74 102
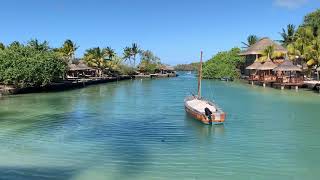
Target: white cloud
pixel 290 4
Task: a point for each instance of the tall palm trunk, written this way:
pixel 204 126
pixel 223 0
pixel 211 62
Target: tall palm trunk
pixel 134 61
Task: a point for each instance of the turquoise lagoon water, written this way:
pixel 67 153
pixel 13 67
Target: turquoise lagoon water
pixel 137 129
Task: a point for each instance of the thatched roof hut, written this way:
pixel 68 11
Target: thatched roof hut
pixel 169 68
pixel 287 66
pixel 81 66
pixel 72 67
pixel 261 45
pixel 268 65
pixel 165 67
pixel 254 66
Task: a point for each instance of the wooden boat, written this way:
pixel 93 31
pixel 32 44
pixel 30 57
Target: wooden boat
pixel 201 109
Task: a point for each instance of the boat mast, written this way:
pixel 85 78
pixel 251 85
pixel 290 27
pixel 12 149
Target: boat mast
pixel 200 76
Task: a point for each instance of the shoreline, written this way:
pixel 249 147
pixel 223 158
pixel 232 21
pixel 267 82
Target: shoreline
pixel 76 84
pixel 156 76
pixel 63 85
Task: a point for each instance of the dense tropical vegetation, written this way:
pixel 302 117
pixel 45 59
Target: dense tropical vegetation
pixel 223 64
pixel 67 51
pixel 303 43
pixel 149 62
pixel 187 67
pixel 37 64
pixel 33 64
pixel 288 35
pixel 2 46
pixel 97 58
pixel 106 58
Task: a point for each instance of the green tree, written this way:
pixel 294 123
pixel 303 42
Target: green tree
pixel 288 35
pixel 68 50
pixel 2 46
pixel 24 66
pixel 135 50
pixel 39 46
pixel 313 20
pixel 15 44
pixel 110 53
pixel 149 62
pixel 224 64
pixel 270 53
pixel 187 67
pixel 96 57
pixel 127 54
pixel 302 46
pixel 252 39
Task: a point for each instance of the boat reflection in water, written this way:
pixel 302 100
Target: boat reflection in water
pixel 204 131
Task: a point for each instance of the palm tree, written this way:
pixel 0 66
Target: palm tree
pixel 313 53
pixel 134 51
pixel 2 46
pixel 127 54
pixel 302 46
pixel 267 53
pixel 288 35
pixel 96 57
pixel 149 61
pixel 110 53
pixel 115 64
pixel 252 39
pixel 269 50
pixel 34 43
pixel 68 50
pixel 270 53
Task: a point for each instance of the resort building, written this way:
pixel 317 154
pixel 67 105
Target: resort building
pixel 165 69
pixel 80 70
pixel 288 74
pixel 266 75
pixel 255 51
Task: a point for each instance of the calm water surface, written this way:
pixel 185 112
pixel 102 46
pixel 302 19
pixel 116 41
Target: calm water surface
pixel 139 130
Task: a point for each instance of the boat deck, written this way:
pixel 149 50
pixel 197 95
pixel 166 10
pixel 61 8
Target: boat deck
pixel 200 105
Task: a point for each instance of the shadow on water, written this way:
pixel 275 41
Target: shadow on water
pixel 5 115
pixel 41 123
pixel 36 173
pixel 131 142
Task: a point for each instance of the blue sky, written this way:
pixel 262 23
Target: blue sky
pixel 176 30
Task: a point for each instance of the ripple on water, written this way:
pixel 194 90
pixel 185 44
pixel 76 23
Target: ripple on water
pixel 139 130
